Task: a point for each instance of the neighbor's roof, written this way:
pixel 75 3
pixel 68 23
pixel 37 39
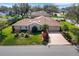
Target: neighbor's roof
pixel 39 20
pixel 39 13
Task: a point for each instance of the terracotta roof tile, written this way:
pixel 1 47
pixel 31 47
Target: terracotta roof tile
pixel 40 20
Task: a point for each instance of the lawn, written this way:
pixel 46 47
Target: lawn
pixel 10 38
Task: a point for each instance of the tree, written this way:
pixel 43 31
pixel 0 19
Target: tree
pixel 21 9
pixel 66 28
pixel 15 8
pixel 36 8
pixel 45 27
pixel 51 8
pixel 73 12
pixel 3 8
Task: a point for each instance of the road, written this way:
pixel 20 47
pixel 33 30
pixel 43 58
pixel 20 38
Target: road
pixel 38 50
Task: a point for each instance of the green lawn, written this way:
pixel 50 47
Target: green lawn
pixel 10 38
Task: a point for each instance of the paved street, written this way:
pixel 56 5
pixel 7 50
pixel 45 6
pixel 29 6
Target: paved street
pixel 37 50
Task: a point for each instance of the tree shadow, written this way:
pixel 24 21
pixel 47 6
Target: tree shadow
pixel 2 37
pixel 36 33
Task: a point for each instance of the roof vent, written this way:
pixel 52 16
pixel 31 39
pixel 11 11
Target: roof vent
pixel 30 21
pixel 39 21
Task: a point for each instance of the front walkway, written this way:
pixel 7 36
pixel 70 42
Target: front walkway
pixel 57 39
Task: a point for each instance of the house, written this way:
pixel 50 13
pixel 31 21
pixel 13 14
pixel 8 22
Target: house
pixel 4 13
pixel 39 13
pixel 28 24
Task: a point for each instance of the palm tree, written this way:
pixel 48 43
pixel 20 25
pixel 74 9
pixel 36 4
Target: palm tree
pixel 45 33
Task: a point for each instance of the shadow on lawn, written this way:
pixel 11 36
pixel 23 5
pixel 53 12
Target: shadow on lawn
pixel 36 33
pixel 2 37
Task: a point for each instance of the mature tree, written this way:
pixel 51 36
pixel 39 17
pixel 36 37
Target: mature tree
pixel 15 9
pixel 3 8
pixel 73 12
pixel 24 8
pixel 51 8
pixel 45 27
pixel 36 8
pixel 21 9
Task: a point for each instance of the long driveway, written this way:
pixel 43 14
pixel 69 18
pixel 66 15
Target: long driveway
pixel 57 39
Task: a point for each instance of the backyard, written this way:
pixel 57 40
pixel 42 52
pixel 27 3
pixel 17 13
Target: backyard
pixel 19 38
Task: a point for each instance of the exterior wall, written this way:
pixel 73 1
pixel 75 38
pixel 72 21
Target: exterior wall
pixel 29 28
pixel 23 28
pixel 16 28
pixel 34 24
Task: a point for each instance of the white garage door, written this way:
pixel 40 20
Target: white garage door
pixel 54 29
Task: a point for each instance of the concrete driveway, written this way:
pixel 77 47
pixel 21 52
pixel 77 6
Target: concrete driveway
pixel 57 39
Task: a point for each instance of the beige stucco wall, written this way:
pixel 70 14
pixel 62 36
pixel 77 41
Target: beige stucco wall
pixel 17 27
pixel 39 27
pixel 34 24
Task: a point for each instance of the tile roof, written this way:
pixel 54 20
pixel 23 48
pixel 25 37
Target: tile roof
pixel 39 20
pixel 39 13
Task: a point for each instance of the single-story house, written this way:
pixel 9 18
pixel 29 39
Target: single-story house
pixel 4 13
pixel 28 24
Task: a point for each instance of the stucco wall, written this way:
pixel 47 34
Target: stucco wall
pixel 28 27
pixel 39 27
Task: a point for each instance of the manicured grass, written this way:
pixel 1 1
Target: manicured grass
pixel 10 38
pixel 34 40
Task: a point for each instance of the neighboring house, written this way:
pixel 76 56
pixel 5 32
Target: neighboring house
pixel 28 24
pixel 3 19
pixel 39 13
pixel 59 14
pixel 71 21
pixel 4 14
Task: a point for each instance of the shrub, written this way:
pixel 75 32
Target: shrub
pixel 26 35
pixel 68 35
pixel 24 31
pixel 16 35
pixel 71 32
pixel 45 26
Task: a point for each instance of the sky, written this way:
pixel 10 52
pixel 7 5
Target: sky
pixel 60 5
